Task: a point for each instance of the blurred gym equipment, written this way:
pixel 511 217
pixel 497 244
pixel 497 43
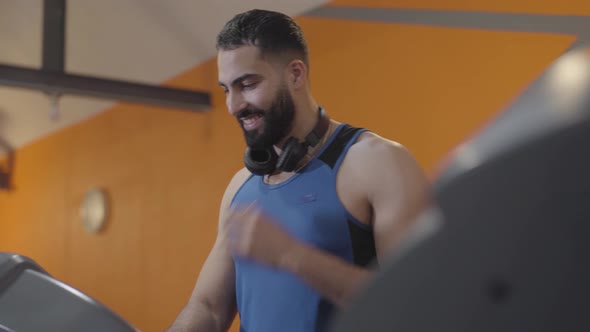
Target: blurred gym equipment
pixel 31 300
pixel 506 245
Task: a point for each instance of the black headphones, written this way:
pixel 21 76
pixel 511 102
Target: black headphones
pixel 266 161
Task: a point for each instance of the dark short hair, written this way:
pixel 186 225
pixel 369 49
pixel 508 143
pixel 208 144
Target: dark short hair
pixel 272 32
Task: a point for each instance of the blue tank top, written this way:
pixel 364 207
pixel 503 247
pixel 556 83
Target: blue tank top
pixel 307 206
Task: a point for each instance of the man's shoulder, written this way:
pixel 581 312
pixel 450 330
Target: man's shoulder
pixel 370 146
pixel 373 156
pixel 242 174
pixel 383 163
pixel 234 185
pixel 238 179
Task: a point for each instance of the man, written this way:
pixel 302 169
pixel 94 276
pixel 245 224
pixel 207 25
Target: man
pixel 302 227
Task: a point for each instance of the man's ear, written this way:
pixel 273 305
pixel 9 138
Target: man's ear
pixel 297 74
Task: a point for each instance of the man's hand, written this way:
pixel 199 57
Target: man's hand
pixel 253 235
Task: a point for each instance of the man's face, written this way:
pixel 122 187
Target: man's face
pixel 256 95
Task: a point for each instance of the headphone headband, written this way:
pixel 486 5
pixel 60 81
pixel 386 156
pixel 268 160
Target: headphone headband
pixel 319 130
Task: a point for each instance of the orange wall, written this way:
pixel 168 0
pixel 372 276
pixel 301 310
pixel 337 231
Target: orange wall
pixel 426 87
pixel 165 172
pixel 561 7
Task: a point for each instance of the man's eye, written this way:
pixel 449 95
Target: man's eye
pixel 248 85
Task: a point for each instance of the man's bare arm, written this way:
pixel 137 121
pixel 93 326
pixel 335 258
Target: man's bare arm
pixel 212 305
pixel 397 197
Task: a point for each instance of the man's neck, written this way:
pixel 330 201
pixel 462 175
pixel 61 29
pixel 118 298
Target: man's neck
pixel 311 153
pixel 306 118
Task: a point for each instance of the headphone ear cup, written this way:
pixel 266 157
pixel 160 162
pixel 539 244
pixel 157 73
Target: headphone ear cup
pixel 293 152
pixel 260 161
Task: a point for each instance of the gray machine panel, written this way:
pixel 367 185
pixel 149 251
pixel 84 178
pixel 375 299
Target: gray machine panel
pixel 511 247
pixel 31 300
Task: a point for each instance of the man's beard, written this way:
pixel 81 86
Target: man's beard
pixel 277 121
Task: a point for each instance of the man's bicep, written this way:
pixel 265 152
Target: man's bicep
pixel 215 286
pixel 399 191
pixel 216 282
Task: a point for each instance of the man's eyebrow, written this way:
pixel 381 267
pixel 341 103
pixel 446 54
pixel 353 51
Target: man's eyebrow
pixel 241 78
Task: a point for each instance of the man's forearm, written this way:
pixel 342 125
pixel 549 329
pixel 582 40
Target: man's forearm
pixel 196 318
pixel 335 279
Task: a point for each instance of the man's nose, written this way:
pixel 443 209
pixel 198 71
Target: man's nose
pixel 235 103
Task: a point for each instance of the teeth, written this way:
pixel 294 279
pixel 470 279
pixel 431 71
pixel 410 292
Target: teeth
pixel 250 119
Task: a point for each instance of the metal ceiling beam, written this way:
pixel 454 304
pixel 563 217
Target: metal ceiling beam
pixel 60 83
pixel 54 35
pixel 52 78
